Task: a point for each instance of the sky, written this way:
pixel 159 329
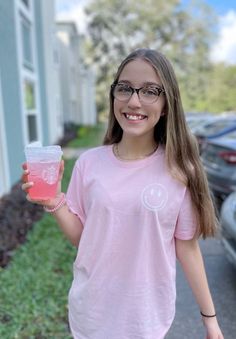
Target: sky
pixel 224 49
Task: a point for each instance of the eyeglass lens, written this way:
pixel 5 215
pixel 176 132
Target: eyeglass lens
pixel 148 94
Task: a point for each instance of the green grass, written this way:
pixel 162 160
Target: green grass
pixel 88 136
pixel 34 287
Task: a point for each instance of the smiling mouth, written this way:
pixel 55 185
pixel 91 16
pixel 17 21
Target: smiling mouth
pixel 135 117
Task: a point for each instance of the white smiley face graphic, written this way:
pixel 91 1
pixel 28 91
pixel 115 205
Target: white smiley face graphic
pixel 154 197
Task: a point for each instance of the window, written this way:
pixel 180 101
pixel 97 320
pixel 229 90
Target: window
pixel 220 125
pixel 30 107
pixel 32 127
pixel 231 135
pixel 26 42
pixel 25 2
pixel 29 95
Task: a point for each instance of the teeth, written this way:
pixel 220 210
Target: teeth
pixel 134 117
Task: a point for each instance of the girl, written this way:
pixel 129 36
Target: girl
pixel 133 205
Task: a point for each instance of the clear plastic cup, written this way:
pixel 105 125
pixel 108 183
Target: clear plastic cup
pixel 43 163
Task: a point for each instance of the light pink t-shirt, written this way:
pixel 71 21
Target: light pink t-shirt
pixel 124 272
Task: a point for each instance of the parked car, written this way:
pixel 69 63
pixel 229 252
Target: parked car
pixel 216 127
pixel 219 161
pixel 228 227
pixel 198 121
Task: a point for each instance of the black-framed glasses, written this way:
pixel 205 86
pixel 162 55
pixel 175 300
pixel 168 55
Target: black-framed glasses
pixel 147 94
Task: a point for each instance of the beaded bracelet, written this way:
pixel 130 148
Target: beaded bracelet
pixel 58 206
pixel 208 316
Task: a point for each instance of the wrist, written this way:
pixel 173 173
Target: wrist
pixel 54 201
pixel 210 322
pixel 56 204
pixel 208 315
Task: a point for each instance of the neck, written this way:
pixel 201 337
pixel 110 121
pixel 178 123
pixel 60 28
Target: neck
pixel 134 149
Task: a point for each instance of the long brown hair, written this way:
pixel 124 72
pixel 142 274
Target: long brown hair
pixel 172 131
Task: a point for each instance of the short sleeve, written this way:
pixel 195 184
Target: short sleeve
pixel 187 223
pixel 74 195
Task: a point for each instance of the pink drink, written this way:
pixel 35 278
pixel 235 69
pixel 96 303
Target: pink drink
pixel 45 177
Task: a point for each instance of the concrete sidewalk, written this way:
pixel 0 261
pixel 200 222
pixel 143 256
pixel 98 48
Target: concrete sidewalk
pixel 221 277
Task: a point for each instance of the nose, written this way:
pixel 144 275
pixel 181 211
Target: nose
pixel 134 100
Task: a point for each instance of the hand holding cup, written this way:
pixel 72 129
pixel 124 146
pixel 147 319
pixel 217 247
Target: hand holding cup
pixel 42 174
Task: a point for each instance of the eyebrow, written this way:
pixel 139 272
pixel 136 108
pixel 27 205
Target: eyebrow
pixel 148 83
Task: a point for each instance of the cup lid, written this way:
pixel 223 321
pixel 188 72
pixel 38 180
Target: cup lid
pixel 36 152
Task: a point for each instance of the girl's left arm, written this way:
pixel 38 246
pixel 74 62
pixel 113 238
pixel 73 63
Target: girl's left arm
pixel 190 258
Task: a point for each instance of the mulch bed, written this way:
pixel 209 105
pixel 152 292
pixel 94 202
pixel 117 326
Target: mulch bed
pixel 17 216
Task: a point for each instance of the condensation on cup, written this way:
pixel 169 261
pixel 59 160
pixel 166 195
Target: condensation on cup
pixel 43 163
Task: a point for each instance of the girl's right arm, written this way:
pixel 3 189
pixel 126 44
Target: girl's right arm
pixel 69 223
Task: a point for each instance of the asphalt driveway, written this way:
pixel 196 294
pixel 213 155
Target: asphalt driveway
pixel 222 280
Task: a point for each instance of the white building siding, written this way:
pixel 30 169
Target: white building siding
pixel 77 82
pixel 4 170
pixel 88 105
pixel 51 69
pixel 30 97
pixel 27 55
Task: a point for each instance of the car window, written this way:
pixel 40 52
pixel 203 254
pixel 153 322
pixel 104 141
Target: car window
pixel 219 125
pixel 231 135
pixel 199 124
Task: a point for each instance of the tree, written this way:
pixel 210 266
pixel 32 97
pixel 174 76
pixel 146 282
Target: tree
pixel 116 27
pixel 221 88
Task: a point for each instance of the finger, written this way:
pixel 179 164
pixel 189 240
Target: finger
pixel 61 170
pixel 24 166
pixel 25 187
pixel 38 202
pixel 28 198
pixel 62 165
pixel 32 201
pixel 24 177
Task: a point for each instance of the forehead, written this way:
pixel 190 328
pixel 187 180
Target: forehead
pixel 138 72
